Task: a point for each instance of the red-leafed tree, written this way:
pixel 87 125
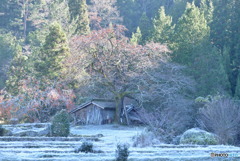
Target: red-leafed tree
pixel 112 64
pixel 35 104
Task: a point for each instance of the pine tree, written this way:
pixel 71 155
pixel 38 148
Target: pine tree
pixel 163 29
pixel 53 53
pixel 136 37
pixel 17 72
pixel 145 27
pixel 190 32
pixel 79 13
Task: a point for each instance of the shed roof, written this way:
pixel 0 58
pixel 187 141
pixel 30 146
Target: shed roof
pixel 101 103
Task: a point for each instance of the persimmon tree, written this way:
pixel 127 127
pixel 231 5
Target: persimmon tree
pixel 108 59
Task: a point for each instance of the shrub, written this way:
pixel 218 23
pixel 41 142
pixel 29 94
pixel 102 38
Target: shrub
pixel 86 147
pixel 222 117
pixel 146 138
pixel 1 130
pixel 60 124
pixel 122 152
pixel 169 122
pixel 199 137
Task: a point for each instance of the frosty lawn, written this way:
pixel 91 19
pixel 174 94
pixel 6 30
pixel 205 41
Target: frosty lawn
pixel 104 138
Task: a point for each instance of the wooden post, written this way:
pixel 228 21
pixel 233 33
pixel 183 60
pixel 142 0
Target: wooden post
pixel 126 114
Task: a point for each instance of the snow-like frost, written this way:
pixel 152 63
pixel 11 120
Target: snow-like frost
pixel 63 150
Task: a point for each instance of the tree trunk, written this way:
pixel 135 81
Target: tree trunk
pixel 119 107
pixel 25 19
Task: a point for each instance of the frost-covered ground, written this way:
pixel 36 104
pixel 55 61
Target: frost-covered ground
pixel 104 138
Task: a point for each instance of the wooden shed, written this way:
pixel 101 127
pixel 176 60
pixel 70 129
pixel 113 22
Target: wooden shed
pixel 102 111
pixel 96 111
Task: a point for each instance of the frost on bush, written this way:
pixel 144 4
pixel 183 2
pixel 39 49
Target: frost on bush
pixel 122 152
pixel 60 124
pixel 146 138
pixel 1 130
pixel 86 147
pixel 199 137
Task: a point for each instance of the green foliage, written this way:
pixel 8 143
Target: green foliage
pixel 122 152
pixel 199 137
pixel 17 72
pixel 21 16
pixel 191 31
pixel 206 6
pixel 54 51
pixel 7 51
pixel 12 15
pixel 60 124
pixel 79 13
pixel 146 28
pixel 136 37
pixel 131 14
pixel 176 9
pixel 209 71
pixel 163 28
pixel 237 90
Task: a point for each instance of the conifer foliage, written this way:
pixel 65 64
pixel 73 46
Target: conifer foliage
pixel 60 124
pixel 17 72
pixel 79 13
pixel 163 29
pixel 136 37
pixel 53 53
pixel 191 30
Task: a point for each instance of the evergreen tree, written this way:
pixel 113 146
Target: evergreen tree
pixel 60 124
pixel 191 31
pixel 225 33
pixel 7 51
pixel 18 16
pixel 145 27
pixel 79 13
pixel 163 29
pixel 136 37
pixel 209 71
pixel 53 53
pixel 12 15
pixel 177 9
pixel 17 72
pixel 206 6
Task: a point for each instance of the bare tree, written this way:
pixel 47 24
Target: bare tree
pixel 124 69
pixel 222 117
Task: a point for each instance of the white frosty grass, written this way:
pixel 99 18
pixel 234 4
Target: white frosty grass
pixel 19 128
pixel 112 135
